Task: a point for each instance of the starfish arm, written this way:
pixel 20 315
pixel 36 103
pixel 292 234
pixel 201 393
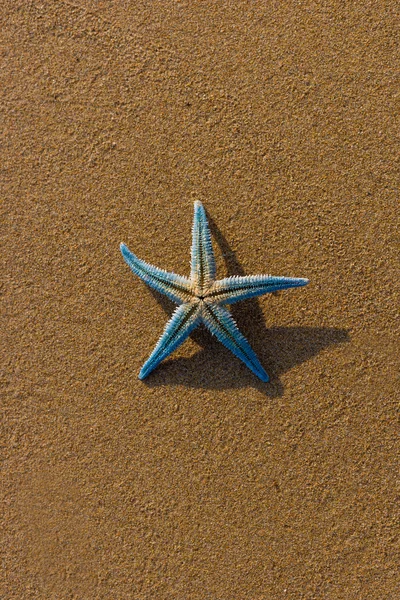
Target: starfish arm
pixel 202 256
pixel 233 289
pixel 174 286
pixel 220 322
pixel 178 328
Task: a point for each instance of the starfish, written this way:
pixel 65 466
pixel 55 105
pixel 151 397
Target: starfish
pixel 202 298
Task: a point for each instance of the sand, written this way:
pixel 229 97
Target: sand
pixel 201 483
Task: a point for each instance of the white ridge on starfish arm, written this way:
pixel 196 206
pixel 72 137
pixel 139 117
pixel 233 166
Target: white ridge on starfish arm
pixel 174 286
pixel 177 330
pixel 220 322
pixel 202 273
pixel 236 288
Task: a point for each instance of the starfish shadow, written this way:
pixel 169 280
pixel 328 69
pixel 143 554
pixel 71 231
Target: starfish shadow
pixel 278 348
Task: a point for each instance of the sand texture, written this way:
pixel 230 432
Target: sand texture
pixel 200 483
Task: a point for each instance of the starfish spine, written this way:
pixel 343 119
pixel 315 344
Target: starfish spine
pixel 220 322
pixel 177 330
pixel 174 286
pixel 202 256
pixel 236 288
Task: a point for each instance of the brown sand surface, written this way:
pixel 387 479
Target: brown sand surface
pixel 201 483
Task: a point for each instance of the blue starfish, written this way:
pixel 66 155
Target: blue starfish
pixel 202 299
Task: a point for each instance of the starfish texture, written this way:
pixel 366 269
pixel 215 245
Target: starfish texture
pixel 202 298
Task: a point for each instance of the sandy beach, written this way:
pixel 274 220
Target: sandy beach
pixel 200 482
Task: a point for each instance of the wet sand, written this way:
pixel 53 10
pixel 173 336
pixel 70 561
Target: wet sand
pixel 200 482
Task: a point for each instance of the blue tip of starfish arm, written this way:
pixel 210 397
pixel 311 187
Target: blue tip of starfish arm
pixel 146 370
pixel 263 376
pixel 143 373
